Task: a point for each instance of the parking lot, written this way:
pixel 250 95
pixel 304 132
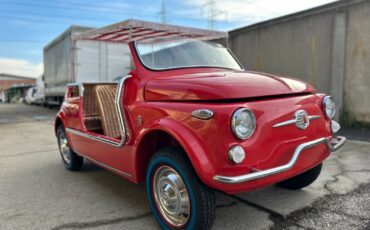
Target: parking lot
pixel 36 192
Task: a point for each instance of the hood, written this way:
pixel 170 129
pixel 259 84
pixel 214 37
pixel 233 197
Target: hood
pixel 221 86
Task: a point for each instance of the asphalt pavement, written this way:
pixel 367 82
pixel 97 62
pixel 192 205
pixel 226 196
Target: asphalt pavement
pixel 36 192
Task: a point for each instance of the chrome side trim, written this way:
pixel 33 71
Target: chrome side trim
pixel 333 145
pixel 95 138
pixel 293 121
pixel 105 166
pixel 121 117
pixel 120 111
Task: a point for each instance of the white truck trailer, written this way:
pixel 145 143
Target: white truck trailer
pixel 67 61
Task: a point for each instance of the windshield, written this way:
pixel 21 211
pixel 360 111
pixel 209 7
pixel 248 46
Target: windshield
pixel 182 54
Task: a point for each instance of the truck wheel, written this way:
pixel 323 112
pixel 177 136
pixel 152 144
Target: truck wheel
pixel 301 180
pixel 177 197
pixel 70 159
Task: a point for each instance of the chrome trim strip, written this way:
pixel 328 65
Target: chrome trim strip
pixel 333 146
pixel 120 111
pixel 95 138
pixel 121 117
pixel 293 121
pixel 105 166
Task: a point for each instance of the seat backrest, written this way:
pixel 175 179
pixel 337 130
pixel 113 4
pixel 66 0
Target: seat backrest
pixel 105 96
pixel 90 105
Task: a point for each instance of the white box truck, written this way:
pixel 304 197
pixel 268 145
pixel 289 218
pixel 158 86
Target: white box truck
pixel 66 61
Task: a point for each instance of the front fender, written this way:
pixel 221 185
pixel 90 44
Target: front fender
pixel 190 142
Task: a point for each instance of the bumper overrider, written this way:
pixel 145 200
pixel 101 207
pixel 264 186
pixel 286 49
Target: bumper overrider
pixel 333 144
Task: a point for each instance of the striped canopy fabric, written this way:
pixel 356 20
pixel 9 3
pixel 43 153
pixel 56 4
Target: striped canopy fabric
pixel 135 30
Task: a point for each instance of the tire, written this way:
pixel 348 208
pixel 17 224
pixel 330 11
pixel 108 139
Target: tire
pixel 70 159
pixel 301 180
pixel 198 211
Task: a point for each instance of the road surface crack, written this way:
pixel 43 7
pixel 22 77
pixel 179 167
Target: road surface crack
pixel 258 207
pixel 228 205
pixel 275 216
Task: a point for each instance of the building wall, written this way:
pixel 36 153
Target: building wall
pixel 328 47
pixel 7 81
pixel 6 84
pixel 299 48
pixel 357 69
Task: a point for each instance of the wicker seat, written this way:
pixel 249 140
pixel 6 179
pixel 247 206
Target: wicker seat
pixel 92 118
pixel 105 97
pixel 93 124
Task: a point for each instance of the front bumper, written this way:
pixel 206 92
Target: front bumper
pixel 332 144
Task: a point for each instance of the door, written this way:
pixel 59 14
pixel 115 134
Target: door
pixel 106 148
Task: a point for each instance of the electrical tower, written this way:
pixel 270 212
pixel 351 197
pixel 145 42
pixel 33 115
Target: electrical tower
pixel 212 13
pixel 162 13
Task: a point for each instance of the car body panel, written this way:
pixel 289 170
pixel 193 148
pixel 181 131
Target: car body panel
pixel 222 85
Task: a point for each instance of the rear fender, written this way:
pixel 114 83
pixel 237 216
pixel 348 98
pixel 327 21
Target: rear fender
pixel 59 120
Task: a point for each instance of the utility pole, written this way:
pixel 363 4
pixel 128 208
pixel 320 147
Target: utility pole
pixel 212 13
pixel 162 13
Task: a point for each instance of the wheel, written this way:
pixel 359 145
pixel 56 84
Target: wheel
pixel 301 180
pixel 176 196
pixel 70 159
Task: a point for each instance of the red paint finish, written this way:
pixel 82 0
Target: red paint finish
pixel 221 86
pixel 165 100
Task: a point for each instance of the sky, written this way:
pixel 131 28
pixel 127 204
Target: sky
pixel 26 26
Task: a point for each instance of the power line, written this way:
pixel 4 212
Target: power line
pixel 110 11
pixel 52 16
pixel 103 10
pixel 9 40
pixel 42 20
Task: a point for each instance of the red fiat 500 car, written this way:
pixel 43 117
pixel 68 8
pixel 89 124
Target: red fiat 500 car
pixel 188 120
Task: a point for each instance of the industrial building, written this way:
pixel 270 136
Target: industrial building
pixel 328 46
pixel 13 86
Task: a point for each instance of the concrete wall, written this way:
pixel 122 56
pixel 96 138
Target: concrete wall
pixel 357 68
pixel 328 46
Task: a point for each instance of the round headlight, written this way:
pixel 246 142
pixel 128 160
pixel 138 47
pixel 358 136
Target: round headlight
pixel 329 107
pixel 243 123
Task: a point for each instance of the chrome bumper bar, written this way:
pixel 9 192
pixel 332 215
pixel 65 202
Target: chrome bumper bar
pixel 333 146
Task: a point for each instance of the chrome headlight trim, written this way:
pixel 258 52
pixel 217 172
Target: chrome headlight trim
pixel 329 104
pixel 234 118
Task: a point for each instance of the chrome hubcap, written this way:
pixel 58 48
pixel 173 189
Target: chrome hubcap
pixel 64 148
pixel 171 196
